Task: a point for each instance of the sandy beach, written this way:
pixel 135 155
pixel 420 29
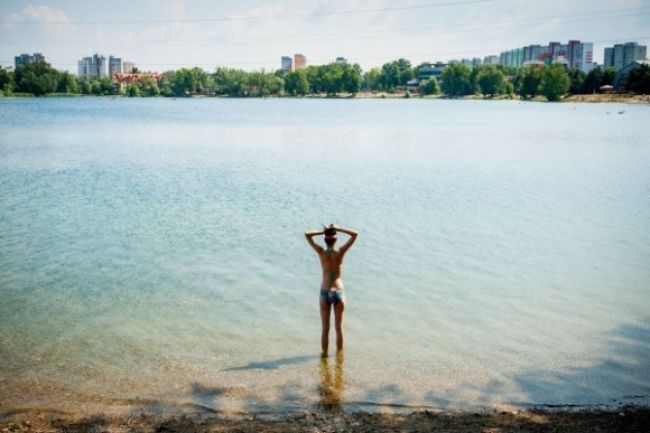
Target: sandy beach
pixel 626 419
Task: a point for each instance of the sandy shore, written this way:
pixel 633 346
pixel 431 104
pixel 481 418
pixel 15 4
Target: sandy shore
pixel 627 419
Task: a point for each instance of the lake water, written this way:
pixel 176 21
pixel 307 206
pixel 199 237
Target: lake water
pixel 153 258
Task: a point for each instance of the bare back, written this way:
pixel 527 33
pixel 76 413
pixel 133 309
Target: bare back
pixel 331 262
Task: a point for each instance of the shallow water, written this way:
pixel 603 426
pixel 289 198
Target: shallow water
pixel 153 258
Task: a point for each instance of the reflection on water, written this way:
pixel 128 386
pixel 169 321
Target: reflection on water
pixel 331 387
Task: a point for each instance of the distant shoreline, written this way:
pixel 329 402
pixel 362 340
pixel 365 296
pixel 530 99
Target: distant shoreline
pixel 592 98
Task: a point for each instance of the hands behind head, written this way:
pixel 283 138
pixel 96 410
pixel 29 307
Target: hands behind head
pixel 329 228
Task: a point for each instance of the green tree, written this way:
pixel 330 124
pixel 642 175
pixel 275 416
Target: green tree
pixel 133 90
pixel 95 87
pixel 372 80
pixel 508 71
pixel 68 83
pixel 186 82
pixel 332 78
pixel 314 76
pixel 6 80
pixel 274 85
pixel 405 71
pixel 455 80
pixel 148 87
pixel 351 78
pixel 107 86
pixel 231 82
pixel 491 80
pixel 577 78
pixel 396 73
pixel 638 81
pixel 509 88
pixel 593 80
pixel 296 83
pixel 608 75
pixel 528 80
pixel 85 86
pixel 430 86
pixel 473 78
pixel 390 76
pixel 38 78
pixel 261 84
pixel 555 82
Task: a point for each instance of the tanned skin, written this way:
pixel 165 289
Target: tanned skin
pixel 331 261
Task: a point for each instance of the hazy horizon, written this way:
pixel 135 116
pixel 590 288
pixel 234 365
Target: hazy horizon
pixel 161 35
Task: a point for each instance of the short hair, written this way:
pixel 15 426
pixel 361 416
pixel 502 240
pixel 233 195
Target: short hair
pixel 330 236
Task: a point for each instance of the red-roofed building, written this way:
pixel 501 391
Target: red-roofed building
pixel 123 80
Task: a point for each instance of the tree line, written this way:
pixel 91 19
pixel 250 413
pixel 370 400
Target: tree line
pixel 552 81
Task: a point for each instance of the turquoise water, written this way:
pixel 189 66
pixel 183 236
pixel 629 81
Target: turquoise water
pixel 153 258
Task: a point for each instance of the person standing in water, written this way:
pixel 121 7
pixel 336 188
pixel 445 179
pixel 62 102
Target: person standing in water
pixel 331 288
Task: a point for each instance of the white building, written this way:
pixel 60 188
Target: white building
pixel 95 66
pixel 127 67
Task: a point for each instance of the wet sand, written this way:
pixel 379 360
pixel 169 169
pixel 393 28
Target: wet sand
pixel 626 419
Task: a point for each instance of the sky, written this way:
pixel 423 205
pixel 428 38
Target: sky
pixel 160 35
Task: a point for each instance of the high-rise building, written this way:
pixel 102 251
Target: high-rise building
pixel 491 60
pixel 472 63
pixel 24 59
pixel 299 61
pixel 514 57
pixel 582 56
pixel 127 67
pixel 574 54
pixel 621 55
pixel 341 60
pixel 286 64
pixel 95 66
pixel 84 67
pixel 554 49
pixel 535 53
pixel 114 66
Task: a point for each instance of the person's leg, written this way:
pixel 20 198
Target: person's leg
pixel 325 310
pixel 338 323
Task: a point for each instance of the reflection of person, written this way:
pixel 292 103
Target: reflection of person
pixel 331 288
pixel 331 391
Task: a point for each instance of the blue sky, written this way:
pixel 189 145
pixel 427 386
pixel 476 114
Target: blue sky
pixel 253 34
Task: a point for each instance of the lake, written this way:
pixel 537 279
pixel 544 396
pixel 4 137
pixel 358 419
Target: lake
pixel 153 256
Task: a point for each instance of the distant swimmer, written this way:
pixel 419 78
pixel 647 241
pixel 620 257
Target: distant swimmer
pixel 331 287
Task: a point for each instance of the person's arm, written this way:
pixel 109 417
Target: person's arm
pixel 310 239
pixel 353 237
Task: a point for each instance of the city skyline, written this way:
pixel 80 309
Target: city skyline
pixel 162 34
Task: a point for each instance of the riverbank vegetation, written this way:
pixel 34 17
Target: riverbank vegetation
pixel 553 82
